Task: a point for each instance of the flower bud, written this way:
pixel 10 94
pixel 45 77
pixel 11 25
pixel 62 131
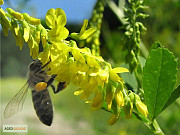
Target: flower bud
pixel 16 15
pixel 109 95
pixel 43 37
pixel 141 107
pixel 128 106
pixel 131 96
pixel 26 31
pixel 120 86
pixel 114 118
pixel 119 98
pixel 31 20
pixel 4 22
pixel 97 101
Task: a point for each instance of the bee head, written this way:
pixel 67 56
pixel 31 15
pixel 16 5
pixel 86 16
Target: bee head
pixel 35 65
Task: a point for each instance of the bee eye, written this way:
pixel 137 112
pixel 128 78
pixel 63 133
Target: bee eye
pixel 41 86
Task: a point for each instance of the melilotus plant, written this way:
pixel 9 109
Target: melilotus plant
pixel 98 82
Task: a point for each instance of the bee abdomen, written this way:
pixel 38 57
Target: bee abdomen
pixel 43 106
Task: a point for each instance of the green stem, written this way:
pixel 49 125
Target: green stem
pixel 138 79
pixel 154 127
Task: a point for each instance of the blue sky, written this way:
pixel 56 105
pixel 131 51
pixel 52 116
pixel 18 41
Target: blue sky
pixel 76 10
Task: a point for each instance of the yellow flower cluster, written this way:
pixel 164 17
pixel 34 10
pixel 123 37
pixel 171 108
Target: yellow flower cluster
pixel 98 83
pixel 25 29
pixel 90 73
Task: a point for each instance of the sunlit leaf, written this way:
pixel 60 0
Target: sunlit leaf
pixel 159 78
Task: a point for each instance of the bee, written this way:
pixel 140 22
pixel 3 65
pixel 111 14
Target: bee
pixel 41 98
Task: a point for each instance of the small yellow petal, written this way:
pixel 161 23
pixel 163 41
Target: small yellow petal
pixel 31 20
pixel 109 95
pixel 78 56
pixel 17 15
pixel 104 75
pixel 113 76
pixel 26 34
pixel 120 70
pixel 91 61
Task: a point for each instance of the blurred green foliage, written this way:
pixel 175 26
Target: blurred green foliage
pixel 163 24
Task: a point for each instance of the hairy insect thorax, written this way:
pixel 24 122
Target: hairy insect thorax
pixel 36 74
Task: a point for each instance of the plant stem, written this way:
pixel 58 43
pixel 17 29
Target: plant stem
pixel 138 79
pixel 154 127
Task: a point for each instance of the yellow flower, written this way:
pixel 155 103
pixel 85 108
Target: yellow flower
pixel 4 22
pixel 56 20
pixel 31 20
pixel 57 34
pixel 43 36
pixel 91 61
pixel 109 95
pixel 37 36
pixel 44 56
pixel 15 27
pixel 26 31
pixel 18 33
pixel 104 75
pixel 55 17
pixel 34 47
pixel 119 95
pixel 83 34
pixel 77 55
pixel 119 98
pixel 141 107
pixel 16 15
pixel 26 34
pixel 113 73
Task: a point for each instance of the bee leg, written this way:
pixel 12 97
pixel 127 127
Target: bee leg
pixel 50 81
pixel 53 88
pixel 61 86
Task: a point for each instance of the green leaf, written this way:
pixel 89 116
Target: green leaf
pixel 156 45
pixel 173 97
pixel 159 78
pixel 142 61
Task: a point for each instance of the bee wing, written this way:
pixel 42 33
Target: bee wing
pixel 16 103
